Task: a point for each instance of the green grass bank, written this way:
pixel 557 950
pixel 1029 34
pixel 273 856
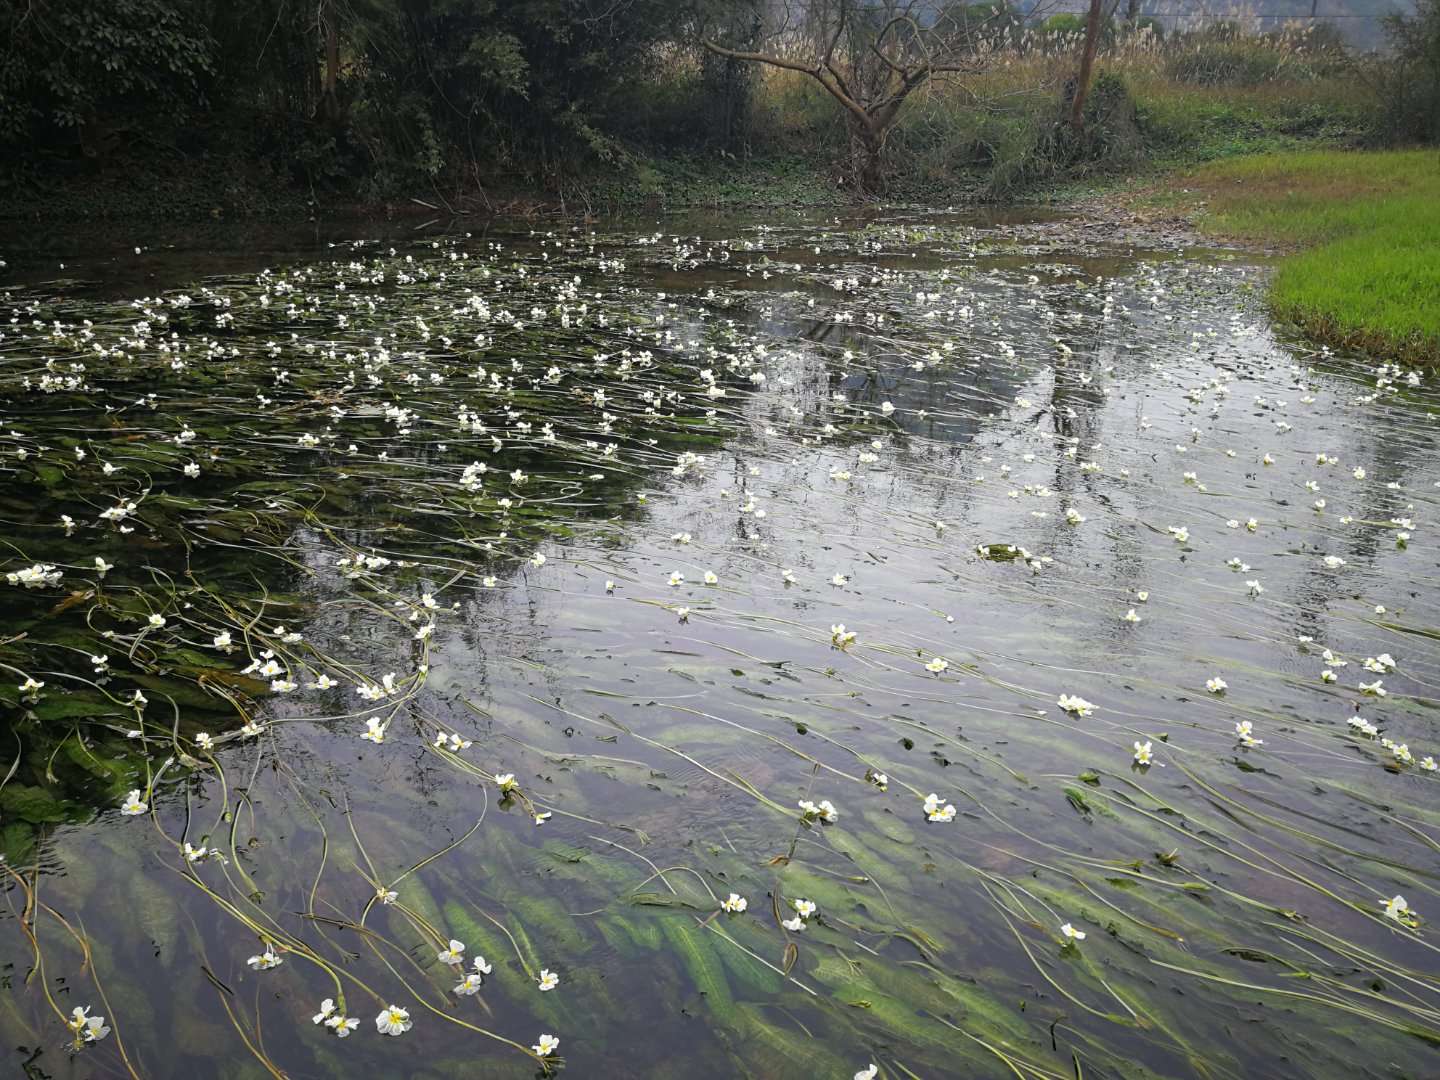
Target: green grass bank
pixel 1365 229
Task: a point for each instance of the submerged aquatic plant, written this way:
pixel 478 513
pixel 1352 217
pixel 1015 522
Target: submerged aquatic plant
pixel 451 496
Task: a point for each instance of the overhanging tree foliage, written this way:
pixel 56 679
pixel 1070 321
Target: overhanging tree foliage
pixel 392 92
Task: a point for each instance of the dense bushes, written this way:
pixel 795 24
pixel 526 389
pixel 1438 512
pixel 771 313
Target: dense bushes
pixel 1410 83
pixel 1222 55
pixel 385 98
pixel 379 96
pixel 1108 141
pixel 72 66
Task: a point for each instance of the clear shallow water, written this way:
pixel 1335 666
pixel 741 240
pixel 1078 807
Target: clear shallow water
pixel 1232 896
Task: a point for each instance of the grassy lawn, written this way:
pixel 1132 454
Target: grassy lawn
pixel 1367 230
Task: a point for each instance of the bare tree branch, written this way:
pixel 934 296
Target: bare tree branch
pixel 870 56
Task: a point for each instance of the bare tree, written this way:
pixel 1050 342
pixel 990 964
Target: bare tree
pixel 870 56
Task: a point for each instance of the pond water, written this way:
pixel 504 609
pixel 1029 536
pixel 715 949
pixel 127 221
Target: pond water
pixel 406 600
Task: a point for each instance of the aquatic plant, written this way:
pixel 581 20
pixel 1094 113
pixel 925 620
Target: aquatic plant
pixel 343 666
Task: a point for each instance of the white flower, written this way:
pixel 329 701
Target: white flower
pixel 937 665
pixel 157 620
pixel 481 966
pixel 1180 533
pixel 1244 732
pixel 327 1010
pixel 1216 685
pixel 1373 688
pixel 342 1025
pixel 803 908
pixel 194 854
pixel 796 923
pixel 1071 933
pixel 1363 726
pixel 934 811
pixel 1396 908
pixel 393 1020
pixel 35 577
pixel 839 579
pixel 734 903
pixel 451 742
pixel 840 636
pixel 546 1045
pixel 1143 753
pixel 868 1073
pixel 824 811
pixel 87 1028
pixel 265 961
pixel 676 578
pixel 469 984
pixel 1073 703
pixel 548 979
pixel 506 781
pixel 454 954
pixel 133 804
pixel 1334 562
pixel 710 578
